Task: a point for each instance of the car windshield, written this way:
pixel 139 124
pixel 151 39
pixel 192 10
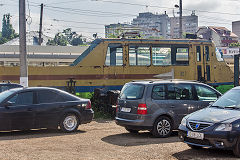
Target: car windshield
pixel 229 100
pixel 5 94
pixel 132 91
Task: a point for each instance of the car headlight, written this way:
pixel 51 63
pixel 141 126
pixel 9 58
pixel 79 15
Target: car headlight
pixel 224 127
pixel 184 122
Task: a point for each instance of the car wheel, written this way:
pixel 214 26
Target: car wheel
pixel 194 147
pixel 69 123
pixel 236 149
pixel 131 130
pixel 162 127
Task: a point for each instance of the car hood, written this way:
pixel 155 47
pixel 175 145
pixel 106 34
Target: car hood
pixel 215 115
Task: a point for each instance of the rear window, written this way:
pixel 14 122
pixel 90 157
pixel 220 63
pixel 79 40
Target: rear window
pixel 132 91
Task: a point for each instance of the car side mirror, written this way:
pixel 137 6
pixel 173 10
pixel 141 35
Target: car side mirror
pixel 7 104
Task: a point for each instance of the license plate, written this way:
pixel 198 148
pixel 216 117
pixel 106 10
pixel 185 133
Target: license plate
pixel 195 135
pixel 123 109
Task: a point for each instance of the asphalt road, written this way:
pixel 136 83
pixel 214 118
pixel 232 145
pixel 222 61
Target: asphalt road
pixel 98 140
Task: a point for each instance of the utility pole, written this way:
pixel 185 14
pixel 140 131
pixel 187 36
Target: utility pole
pixel 22 44
pixel 236 70
pixel 40 27
pixel 180 19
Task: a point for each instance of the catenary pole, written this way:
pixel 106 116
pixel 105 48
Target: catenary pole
pixel 180 19
pixel 40 27
pixel 22 44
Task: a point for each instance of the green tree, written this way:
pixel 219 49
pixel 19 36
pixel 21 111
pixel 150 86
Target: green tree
pixel 7 30
pixel 77 41
pixel 66 37
pixel 59 40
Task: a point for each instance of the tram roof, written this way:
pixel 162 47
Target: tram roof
pixel 156 40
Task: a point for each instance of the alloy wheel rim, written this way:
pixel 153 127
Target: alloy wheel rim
pixel 70 123
pixel 163 127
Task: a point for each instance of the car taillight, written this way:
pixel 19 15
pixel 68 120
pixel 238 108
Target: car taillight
pixel 88 106
pixel 142 109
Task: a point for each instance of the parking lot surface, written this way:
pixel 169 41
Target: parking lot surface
pixel 98 140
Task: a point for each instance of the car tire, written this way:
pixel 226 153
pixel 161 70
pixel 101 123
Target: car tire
pixel 131 130
pixel 194 147
pixel 162 127
pixel 236 149
pixel 69 123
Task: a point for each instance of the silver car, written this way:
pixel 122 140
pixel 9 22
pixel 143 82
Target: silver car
pixel 159 106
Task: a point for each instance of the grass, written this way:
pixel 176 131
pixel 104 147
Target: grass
pixel 224 88
pixel 87 95
pixel 101 115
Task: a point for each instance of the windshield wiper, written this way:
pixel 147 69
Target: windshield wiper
pixel 231 107
pixel 218 107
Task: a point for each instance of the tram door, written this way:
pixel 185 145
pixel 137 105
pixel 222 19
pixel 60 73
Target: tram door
pixel 203 63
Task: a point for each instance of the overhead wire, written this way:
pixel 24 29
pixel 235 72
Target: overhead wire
pixel 67 1
pixel 154 6
pixel 83 13
pixel 100 13
pixel 92 11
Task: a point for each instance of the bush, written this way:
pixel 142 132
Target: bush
pixel 100 104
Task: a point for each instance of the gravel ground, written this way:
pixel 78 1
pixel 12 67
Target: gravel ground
pixel 98 140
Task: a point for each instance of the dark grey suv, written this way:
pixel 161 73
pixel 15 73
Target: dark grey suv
pixel 159 106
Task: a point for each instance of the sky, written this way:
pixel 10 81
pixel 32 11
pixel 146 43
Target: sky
pixel 87 17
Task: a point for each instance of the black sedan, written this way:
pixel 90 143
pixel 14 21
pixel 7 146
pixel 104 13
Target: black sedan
pixel 42 107
pixel 217 126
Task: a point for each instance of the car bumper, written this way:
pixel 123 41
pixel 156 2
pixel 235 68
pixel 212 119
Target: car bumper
pixel 141 124
pixel 87 116
pixel 222 140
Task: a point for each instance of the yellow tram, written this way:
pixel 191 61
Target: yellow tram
pixel 111 63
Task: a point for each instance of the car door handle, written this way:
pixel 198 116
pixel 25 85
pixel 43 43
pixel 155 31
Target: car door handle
pixel 172 106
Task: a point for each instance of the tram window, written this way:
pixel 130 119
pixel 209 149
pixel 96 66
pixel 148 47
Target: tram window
pixel 207 53
pixel 182 56
pixel 208 72
pixel 161 56
pixel 219 55
pixel 198 53
pixel 139 56
pixel 114 55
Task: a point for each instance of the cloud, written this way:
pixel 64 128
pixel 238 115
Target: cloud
pixel 206 5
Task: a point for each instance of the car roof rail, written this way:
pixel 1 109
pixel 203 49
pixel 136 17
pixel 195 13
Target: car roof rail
pixel 172 80
pixel 183 80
